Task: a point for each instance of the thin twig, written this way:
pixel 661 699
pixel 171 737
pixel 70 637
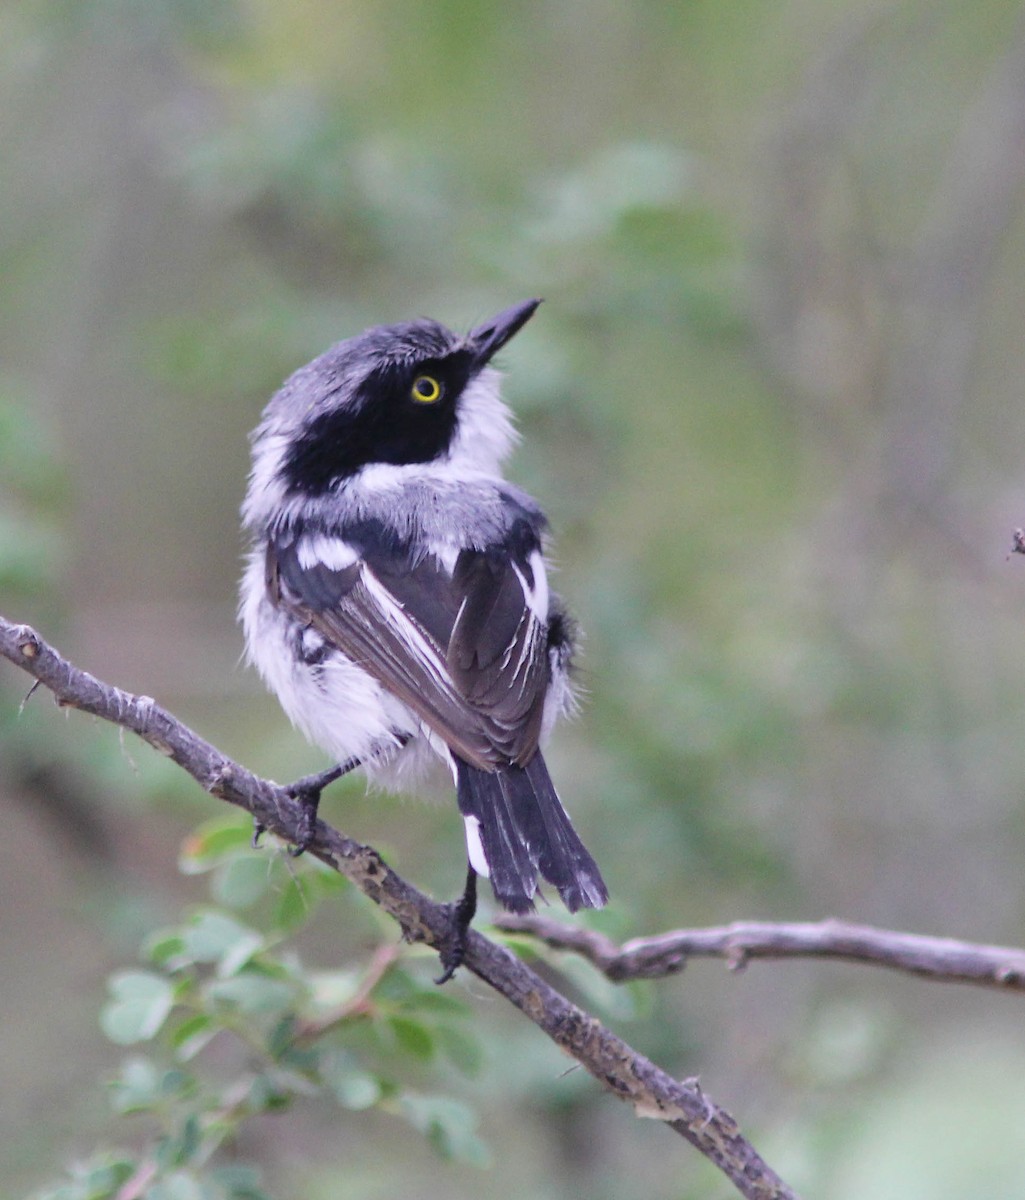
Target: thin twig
pixel 135 1186
pixel 944 959
pixel 359 1004
pixel 625 1072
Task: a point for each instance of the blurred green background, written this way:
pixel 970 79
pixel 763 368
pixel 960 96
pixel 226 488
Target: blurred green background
pixel 772 406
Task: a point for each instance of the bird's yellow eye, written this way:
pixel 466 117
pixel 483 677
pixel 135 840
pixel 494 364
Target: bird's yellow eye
pixel 426 389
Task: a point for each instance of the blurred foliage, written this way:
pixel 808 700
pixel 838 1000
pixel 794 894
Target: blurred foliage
pixel 353 1035
pixel 242 1028
pixel 772 406
pixel 31 504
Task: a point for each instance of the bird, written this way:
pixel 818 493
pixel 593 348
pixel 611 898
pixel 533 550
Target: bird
pixel 395 597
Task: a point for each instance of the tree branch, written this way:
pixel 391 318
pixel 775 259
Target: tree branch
pixel 943 959
pixel 617 1066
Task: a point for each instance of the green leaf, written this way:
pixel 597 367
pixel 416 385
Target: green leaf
pixel 448 1125
pixel 398 987
pixel 139 1005
pixel 523 947
pixel 192 1034
pixel 213 842
pixel 304 1059
pixel 252 993
pixel 103 1177
pixel 176 1084
pixel 295 905
pixel 331 990
pixel 358 1090
pixel 98 1179
pixel 280 1038
pixel 142 1086
pixel 213 936
pixel 325 878
pixel 137 1088
pixel 461 1048
pixel 274 1090
pixel 241 880
pixel 412 1037
pixel 352 1086
pixel 179 1149
pixel 436 1002
pixel 179 1186
pixel 166 949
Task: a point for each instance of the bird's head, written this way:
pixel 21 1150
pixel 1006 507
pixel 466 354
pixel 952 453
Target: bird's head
pixel 397 395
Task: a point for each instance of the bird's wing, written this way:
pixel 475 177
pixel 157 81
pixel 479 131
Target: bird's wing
pixel 466 650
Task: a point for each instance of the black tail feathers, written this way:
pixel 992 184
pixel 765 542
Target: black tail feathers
pixel 524 831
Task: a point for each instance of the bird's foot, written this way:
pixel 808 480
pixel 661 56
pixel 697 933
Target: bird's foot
pixel 306 792
pixel 454 950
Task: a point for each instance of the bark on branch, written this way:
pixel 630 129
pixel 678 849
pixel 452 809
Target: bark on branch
pixel 682 1105
pixel 943 959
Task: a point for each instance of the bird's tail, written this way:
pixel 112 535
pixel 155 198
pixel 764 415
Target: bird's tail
pixel 514 816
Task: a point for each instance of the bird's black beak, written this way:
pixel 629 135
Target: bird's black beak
pixel 489 338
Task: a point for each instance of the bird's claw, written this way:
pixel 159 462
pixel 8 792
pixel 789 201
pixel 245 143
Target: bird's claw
pixel 307 796
pixel 454 951
pixel 462 913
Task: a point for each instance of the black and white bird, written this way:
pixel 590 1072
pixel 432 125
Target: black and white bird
pixel 396 598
